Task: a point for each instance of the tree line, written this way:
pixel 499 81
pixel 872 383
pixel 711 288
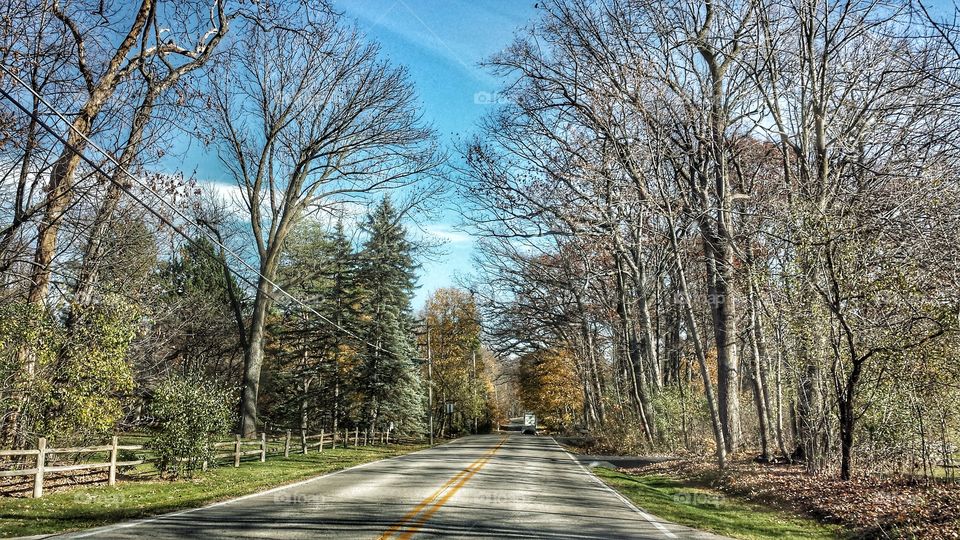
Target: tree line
pixel 734 222
pixel 291 296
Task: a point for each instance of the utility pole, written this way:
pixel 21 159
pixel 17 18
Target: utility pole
pixel 473 299
pixel 430 384
pixel 474 390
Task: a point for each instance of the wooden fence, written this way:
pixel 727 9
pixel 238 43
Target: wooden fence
pixel 42 453
pixel 275 443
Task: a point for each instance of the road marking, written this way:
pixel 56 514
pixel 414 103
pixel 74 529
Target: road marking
pixel 429 506
pixel 652 520
pixel 423 504
pixel 413 528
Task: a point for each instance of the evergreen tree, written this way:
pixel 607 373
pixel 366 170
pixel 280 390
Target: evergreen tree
pixel 202 314
pixel 343 306
pixel 310 352
pixel 389 380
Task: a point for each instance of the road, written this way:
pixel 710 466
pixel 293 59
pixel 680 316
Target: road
pixel 498 485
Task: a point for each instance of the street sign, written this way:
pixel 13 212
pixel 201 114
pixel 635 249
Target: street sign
pixel 449 408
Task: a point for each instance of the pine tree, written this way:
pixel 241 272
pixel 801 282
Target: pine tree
pixel 344 303
pixel 311 351
pixel 202 308
pixel 389 381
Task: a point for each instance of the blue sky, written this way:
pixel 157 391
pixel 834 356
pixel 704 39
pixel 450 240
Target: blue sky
pixel 441 42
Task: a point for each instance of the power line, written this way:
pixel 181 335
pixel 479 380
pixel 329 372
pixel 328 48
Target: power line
pixel 146 187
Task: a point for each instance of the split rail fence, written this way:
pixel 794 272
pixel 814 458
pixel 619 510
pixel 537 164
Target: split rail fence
pixel 43 458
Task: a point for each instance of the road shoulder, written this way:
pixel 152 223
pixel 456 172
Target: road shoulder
pixel 705 509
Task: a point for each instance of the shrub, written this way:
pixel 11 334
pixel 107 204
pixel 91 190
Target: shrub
pixel 190 412
pixel 80 377
pixel 91 379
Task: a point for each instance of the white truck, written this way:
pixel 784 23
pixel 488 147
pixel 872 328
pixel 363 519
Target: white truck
pixel 529 424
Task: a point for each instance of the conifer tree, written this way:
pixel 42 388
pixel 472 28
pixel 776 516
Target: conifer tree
pixel 342 304
pixel 319 267
pixel 389 380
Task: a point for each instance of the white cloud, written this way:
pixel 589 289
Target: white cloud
pixel 231 194
pixel 447 233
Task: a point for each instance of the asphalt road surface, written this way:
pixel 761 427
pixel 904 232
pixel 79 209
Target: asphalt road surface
pixel 485 486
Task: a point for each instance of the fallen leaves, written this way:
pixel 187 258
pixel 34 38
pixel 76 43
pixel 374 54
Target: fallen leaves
pixel 870 505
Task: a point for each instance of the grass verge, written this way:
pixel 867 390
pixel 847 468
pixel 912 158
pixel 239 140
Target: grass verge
pixel 87 507
pixel 701 508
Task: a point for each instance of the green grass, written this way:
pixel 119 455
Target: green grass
pixel 712 511
pixel 87 507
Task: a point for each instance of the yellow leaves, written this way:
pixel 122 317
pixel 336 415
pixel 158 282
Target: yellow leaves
pixel 548 385
pixel 459 371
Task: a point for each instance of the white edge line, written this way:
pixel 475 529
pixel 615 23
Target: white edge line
pixel 653 521
pixel 134 523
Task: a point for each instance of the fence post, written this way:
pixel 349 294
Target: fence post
pixel 356 437
pixel 303 440
pixel 263 446
pixel 236 452
pixel 41 460
pixel 366 437
pixel 113 462
pixel 286 446
pixel 321 441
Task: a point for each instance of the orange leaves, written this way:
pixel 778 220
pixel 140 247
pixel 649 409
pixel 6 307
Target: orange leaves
pixel 549 386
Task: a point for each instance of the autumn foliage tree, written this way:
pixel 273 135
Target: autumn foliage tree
pixel 451 321
pixel 548 387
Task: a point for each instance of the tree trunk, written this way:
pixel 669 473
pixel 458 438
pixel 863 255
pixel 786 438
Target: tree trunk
pixel 720 289
pixel 60 187
pixel 638 373
pixel 776 418
pixel 253 358
pixel 593 368
pixel 646 326
pixel 304 418
pixel 760 394
pixel 691 324
pixel 811 411
pixel 846 437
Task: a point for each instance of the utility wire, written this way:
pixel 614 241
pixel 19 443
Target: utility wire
pixel 211 238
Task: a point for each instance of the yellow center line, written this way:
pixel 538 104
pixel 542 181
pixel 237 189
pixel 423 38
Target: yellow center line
pixel 460 479
pixel 422 520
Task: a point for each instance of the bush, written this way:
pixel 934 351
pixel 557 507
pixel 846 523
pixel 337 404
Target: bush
pixel 91 379
pixel 30 328
pixel 190 413
pixel 81 377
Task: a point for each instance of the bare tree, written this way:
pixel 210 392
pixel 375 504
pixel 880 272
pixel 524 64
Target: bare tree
pixel 160 72
pixel 307 115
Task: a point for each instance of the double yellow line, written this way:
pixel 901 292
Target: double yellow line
pixel 415 519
